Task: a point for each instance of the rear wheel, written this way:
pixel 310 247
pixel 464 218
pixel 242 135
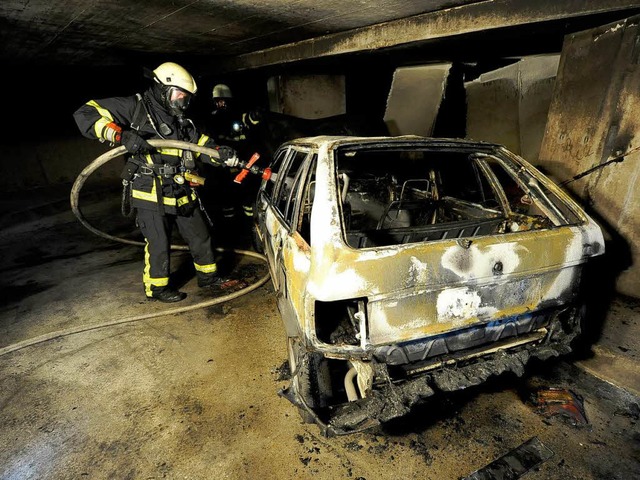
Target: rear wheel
pixel 303 377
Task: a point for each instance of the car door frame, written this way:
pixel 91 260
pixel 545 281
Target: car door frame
pixel 284 228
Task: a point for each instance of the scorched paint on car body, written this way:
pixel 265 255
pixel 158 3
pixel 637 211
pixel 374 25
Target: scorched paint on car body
pixel 404 265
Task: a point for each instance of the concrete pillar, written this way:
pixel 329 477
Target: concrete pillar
pixel 510 105
pixel 594 117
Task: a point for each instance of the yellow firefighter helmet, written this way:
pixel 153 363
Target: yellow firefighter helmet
pixel 173 75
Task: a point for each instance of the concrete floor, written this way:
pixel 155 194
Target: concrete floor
pixel 195 395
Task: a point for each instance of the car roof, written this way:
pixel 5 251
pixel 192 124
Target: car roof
pixel 334 141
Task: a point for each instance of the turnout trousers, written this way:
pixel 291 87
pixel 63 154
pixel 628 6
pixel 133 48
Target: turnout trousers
pixel 157 230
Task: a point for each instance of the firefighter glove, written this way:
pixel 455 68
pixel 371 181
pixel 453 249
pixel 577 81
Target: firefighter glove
pixel 134 143
pixel 228 155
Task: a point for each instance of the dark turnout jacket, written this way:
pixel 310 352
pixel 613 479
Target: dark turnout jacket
pixel 152 188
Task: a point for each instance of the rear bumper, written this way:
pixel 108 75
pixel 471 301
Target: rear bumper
pixel 519 329
pixel 399 385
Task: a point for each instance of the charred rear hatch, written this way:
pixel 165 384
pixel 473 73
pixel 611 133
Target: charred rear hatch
pixel 432 264
pixel 475 247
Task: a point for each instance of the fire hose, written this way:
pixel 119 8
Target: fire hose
pixel 75 195
pixel 118 151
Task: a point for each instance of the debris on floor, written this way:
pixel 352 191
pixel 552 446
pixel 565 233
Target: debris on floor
pixel 233 283
pixel 551 402
pixel 515 463
pixel 238 278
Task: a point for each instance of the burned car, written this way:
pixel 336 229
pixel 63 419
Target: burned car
pixel 405 266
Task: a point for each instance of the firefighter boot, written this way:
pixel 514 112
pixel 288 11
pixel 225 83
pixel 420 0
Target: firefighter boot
pixel 214 281
pixel 208 280
pixel 166 294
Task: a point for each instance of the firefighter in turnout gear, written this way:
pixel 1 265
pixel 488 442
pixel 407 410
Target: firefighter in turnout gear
pixel 156 177
pixel 230 126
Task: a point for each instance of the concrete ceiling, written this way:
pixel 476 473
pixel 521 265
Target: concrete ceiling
pixel 243 34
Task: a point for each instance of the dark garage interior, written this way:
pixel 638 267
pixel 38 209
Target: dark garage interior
pixel 99 382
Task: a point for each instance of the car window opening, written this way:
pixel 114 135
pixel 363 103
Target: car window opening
pixel 394 196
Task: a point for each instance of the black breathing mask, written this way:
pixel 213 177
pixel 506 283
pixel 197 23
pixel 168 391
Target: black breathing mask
pixel 176 100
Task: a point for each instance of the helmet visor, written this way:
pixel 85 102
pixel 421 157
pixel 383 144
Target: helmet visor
pixel 177 98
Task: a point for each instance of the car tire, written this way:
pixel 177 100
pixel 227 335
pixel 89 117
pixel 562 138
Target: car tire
pixel 302 379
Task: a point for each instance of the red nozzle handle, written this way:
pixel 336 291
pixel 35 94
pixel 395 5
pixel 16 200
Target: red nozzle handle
pixel 245 169
pixel 240 177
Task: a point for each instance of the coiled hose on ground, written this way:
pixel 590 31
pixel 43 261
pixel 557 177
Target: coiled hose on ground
pixel 75 195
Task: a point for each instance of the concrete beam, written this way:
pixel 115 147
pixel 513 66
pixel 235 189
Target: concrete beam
pixel 481 16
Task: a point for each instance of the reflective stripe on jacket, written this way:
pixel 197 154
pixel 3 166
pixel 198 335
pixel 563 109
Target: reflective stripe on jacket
pixel 92 119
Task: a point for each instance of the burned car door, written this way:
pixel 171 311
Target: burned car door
pixel 265 199
pixel 280 219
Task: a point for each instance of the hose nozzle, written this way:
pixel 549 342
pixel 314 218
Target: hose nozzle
pixel 250 167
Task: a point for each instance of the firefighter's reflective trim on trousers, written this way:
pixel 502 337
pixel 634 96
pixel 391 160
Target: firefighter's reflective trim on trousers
pixel 211 268
pixel 106 118
pixel 248 211
pixel 147 279
pixel 228 212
